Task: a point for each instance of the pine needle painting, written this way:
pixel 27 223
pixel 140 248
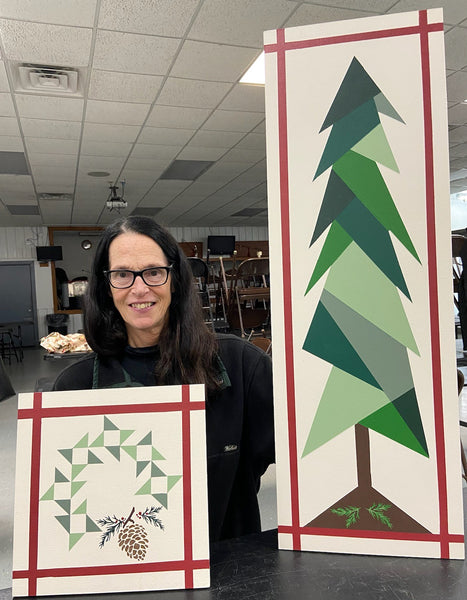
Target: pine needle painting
pixel 359 235
pixel 110 491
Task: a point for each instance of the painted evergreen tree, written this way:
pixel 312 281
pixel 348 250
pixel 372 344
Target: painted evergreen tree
pixel 360 326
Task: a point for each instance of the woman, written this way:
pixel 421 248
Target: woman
pixel 144 322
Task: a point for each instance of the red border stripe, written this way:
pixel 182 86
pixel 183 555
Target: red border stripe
pixel 77 411
pixel 379 535
pixel 433 286
pixel 172 565
pixel 350 37
pixel 187 517
pixel 34 493
pixel 287 286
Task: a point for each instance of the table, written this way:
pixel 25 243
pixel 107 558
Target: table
pixel 251 567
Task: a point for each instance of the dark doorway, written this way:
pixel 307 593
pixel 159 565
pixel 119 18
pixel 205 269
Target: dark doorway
pixel 18 299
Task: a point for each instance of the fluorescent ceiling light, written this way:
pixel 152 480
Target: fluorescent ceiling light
pixel 255 73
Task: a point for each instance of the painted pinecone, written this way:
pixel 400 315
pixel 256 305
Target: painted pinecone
pixel 134 540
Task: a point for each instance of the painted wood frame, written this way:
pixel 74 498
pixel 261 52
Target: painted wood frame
pixel 366 411
pixel 111 491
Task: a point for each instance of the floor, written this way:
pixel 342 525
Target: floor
pixel 24 376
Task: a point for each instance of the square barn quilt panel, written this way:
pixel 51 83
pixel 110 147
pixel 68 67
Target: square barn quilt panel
pixel 111 491
pixel 367 426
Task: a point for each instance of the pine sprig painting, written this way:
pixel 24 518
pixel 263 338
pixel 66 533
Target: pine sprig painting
pixel 359 325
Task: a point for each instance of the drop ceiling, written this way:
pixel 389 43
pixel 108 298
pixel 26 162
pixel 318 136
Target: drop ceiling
pixel 137 84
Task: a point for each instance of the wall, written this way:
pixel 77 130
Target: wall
pixel 20 243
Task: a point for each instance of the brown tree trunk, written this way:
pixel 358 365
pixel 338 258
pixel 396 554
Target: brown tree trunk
pixel 362 440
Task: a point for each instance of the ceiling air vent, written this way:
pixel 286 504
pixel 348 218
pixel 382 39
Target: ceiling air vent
pixel 46 79
pixel 55 196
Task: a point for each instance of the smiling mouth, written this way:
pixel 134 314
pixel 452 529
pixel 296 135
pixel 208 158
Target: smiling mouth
pixel 142 304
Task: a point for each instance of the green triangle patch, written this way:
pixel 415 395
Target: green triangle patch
pixel 131 451
pixel 90 525
pixel 60 477
pixel 65 504
pixel 98 442
pixel 147 440
pixel 49 494
pixel 386 108
pixel 347 132
pixel 156 455
pixel 145 489
pixel 162 498
pixel 73 539
pixel 336 242
pixel 172 480
pixel 83 443
pixel 64 521
pixel 156 472
pixel 93 459
pixel 76 486
pixel 326 340
pixel 108 425
pixel 81 510
pixel 356 88
pixel 76 470
pixel 375 146
pixel 68 454
pixel 114 450
pixel 125 434
pixel 140 466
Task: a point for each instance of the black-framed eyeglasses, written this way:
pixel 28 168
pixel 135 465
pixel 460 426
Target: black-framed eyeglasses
pixel 125 278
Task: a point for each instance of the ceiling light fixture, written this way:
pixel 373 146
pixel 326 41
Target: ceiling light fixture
pixel 255 74
pixel 114 201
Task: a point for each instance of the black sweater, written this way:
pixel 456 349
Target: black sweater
pixel 239 426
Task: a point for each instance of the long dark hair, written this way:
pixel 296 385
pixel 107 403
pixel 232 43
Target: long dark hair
pixel 187 347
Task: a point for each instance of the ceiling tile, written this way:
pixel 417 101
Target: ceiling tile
pixel 50 44
pixel 56 212
pixel 46 107
pixel 9 126
pixel 253 140
pixel 239 22
pixel 163 192
pixel 459 151
pixel 155 151
pixel 41 158
pixel 110 133
pixel 124 87
pixel 453 10
pixel 316 13
pixel 230 120
pixel 165 136
pixel 457 86
pixel 134 53
pixel 245 155
pixel 4 85
pixel 155 17
pixel 80 13
pixel 212 62
pixel 223 172
pixel 136 174
pixel 215 139
pixel 383 5
pixel 7 108
pixel 456 48
pixel 66 130
pixel 245 97
pixel 125 113
pixel 177 117
pixel 51 187
pixel 458 114
pixel 14 144
pixel 261 127
pixel 200 153
pixel 16 183
pixel 51 146
pixel 458 135
pixel 113 164
pixel 104 148
pixel 188 92
pixel 146 164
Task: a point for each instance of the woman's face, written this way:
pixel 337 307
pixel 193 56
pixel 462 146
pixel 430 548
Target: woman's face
pixel 143 308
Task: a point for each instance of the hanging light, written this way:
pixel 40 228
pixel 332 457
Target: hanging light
pixel 114 201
